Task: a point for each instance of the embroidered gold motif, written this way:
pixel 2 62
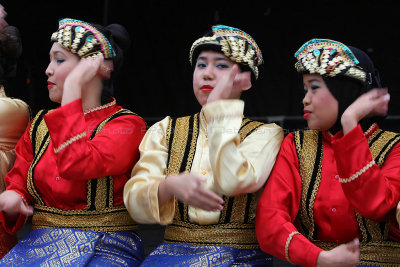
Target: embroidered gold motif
pixel 380 143
pixel 237 235
pixel 105 220
pixel 239 209
pixel 101 215
pixel 40 142
pixel 308 159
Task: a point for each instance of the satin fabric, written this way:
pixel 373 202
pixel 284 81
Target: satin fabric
pixel 73 247
pixel 374 194
pixel 171 254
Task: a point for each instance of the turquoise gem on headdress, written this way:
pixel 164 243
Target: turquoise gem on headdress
pixel 333 51
pixel 316 53
pixel 90 38
pixel 77 29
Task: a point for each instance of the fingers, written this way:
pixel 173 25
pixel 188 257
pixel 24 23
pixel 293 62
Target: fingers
pixel 190 189
pixel 243 81
pixel 353 245
pixel 209 200
pixel 26 209
pixel 204 203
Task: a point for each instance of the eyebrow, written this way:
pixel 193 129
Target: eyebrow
pixel 313 80
pixel 56 52
pixel 217 58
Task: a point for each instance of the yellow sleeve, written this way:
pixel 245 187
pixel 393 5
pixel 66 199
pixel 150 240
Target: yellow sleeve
pixel 141 191
pixel 14 118
pixel 239 168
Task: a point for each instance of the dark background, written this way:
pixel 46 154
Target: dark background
pixel 157 76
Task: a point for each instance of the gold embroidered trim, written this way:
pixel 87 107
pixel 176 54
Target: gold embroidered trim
pixel 104 219
pixel 380 142
pixel 195 133
pixel 69 141
pixel 40 146
pixel 367 132
pixel 109 219
pixel 377 253
pixel 237 235
pixel 289 239
pixel 357 174
pixel 248 128
pixel 178 146
pixel 307 152
pixel 243 207
pixel 112 103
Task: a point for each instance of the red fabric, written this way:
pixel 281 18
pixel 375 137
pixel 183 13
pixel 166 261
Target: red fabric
pixel 61 177
pixel 374 195
pixel 7 242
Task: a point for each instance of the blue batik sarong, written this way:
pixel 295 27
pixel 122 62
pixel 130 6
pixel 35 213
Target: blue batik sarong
pixel 173 254
pixel 74 247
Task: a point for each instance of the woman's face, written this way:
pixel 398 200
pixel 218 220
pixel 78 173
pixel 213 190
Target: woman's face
pixel 61 63
pixel 320 106
pixel 210 67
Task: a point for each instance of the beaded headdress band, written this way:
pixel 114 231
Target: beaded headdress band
pixel 82 38
pixel 235 44
pixel 328 58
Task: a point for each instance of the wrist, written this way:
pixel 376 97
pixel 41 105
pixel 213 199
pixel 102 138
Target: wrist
pixel 322 258
pixel 348 122
pixel 164 191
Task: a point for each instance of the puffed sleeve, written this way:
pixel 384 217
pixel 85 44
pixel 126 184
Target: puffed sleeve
pixel 239 168
pixel 111 152
pixel 17 177
pixel 14 118
pixel 141 191
pixel 373 191
pixel 277 210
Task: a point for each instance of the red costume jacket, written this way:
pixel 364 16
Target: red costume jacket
pixel 72 158
pixel 349 180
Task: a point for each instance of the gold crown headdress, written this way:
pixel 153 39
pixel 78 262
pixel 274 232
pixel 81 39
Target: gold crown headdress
pixel 82 38
pixel 235 44
pixel 328 58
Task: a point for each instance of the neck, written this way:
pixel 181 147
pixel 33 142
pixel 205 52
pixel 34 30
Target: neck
pixel 91 96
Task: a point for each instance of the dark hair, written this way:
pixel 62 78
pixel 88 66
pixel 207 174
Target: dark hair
pixel 346 90
pixel 120 40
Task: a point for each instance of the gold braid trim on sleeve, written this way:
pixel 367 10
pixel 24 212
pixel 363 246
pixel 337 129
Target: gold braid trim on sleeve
pixel 69 141
pixel 287 245
pixel 357 174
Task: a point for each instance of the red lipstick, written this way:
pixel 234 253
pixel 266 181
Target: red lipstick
pixel 206 88
pixel 50 84
pixel 306 114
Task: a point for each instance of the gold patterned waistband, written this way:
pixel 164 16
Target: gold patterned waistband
pixel 106 220
pixel 241 236
pixel 379 253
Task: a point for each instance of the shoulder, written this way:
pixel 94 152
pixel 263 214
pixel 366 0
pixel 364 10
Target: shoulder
pixel 250 127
